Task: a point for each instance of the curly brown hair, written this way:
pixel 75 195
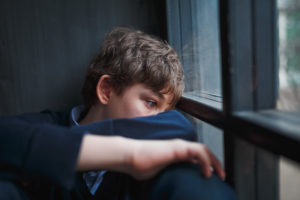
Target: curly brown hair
pixel 131 56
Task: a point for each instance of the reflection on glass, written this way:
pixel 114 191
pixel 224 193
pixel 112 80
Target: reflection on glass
pixel 289 54
pixel 203 47
pixel 195 36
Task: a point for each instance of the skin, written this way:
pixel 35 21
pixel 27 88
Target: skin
pixel 140 158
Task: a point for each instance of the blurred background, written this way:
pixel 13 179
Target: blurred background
pixel 46 46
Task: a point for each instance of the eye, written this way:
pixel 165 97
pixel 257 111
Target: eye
pixel 151 103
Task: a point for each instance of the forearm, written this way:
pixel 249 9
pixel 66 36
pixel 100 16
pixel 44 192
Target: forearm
pixel 104 152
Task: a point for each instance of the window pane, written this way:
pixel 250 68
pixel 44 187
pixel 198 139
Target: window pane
pixel 289 51
pixel 194 32
pixel 209 135
pixel 289 179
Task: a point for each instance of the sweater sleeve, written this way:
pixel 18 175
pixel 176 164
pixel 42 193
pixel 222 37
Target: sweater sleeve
pixel 30 151
pixel 167 125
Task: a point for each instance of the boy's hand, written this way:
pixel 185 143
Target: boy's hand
pixel 148 157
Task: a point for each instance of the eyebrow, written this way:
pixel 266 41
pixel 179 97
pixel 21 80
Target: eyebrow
pixel 158 94
pixel 162 97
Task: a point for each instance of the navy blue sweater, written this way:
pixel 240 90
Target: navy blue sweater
pixel 41 149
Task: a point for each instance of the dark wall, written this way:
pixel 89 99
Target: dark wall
pixel 46 46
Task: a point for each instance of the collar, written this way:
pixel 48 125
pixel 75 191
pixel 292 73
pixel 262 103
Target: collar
pixel 75 115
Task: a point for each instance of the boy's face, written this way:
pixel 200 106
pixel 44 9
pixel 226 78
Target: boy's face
pixel 137 101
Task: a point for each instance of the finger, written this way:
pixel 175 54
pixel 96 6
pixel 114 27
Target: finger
pixel 203 157
pixel 217 166
pixel 194 160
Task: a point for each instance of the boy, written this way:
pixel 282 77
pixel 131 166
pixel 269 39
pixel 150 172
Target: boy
pixel 134 76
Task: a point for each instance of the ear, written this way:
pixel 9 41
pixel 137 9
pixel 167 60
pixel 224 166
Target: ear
pixel 104 89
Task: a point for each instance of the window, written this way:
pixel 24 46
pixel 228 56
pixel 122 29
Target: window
pixel 229 50
pixel 289 51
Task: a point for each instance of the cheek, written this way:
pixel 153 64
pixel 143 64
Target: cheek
pixel 136 109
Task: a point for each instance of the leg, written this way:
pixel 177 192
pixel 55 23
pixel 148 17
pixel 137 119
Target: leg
pixel 177 182
pixel 184 181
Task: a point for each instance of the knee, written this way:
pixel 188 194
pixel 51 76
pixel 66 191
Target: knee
pixel 185 181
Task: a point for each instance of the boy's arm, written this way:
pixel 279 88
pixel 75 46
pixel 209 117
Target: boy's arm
pixel 166 125
pixel 30 151
pixel 143 158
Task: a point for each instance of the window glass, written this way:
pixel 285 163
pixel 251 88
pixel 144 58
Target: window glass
pixel 289 54
pixel 195 36
pixel 289 179
pixel 209 135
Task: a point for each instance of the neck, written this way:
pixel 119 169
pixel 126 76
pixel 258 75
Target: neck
pixel 94 114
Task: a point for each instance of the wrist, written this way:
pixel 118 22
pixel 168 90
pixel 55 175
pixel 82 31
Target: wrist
pixel 128 149
pixel 105 152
